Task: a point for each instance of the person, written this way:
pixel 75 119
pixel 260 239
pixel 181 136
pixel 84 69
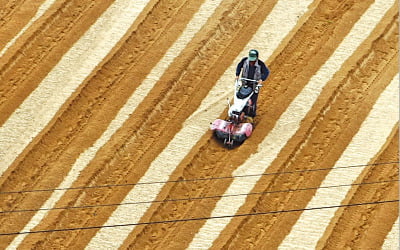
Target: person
pixel 252 67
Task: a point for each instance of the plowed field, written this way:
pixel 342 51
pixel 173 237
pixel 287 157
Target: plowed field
pixel 105 112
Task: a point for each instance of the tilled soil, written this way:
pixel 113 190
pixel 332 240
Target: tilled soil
pixel 208 167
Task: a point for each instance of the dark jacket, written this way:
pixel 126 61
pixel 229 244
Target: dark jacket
pixel 264 69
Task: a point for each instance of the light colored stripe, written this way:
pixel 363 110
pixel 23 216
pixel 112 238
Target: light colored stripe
pixel 42 104
pixel 195 126
pixel 42 9
pixel 372 134
pixel 286 127
pixel 392 239
pixel 114 237
pixel 73 68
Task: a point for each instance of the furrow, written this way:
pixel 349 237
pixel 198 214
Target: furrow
pixel 36 57
pixel 11 30
pixel 31 171
pixel 207 163
pixel 89 106
pixel 165 163
pixel 114 169
pixel 287 125
pixel 105 112
pixel 8 9
pixel 218 30
pixel 319 142
pixel 383 113
pixel 367 226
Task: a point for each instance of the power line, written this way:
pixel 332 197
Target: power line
pixel 197 219
pixel 193 198
pixel 192 180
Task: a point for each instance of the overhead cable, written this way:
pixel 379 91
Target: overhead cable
pixel 192 180
pixel 192 198
pixel 197 219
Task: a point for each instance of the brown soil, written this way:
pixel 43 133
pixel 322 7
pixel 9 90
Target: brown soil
pixel 323 136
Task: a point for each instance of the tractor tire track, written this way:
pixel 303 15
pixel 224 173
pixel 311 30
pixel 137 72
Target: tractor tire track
pixel 31 62
pixel 321 145
pixel 367 226
pixel 207 159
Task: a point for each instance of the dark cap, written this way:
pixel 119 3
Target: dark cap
pixel 253 55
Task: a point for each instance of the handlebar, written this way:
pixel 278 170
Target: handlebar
pixel 246 79
pixel 250 80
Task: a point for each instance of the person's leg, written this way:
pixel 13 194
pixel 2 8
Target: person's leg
pixel 254 98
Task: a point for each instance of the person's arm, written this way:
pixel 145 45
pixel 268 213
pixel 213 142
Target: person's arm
pixel 264 71
pixel 239 67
